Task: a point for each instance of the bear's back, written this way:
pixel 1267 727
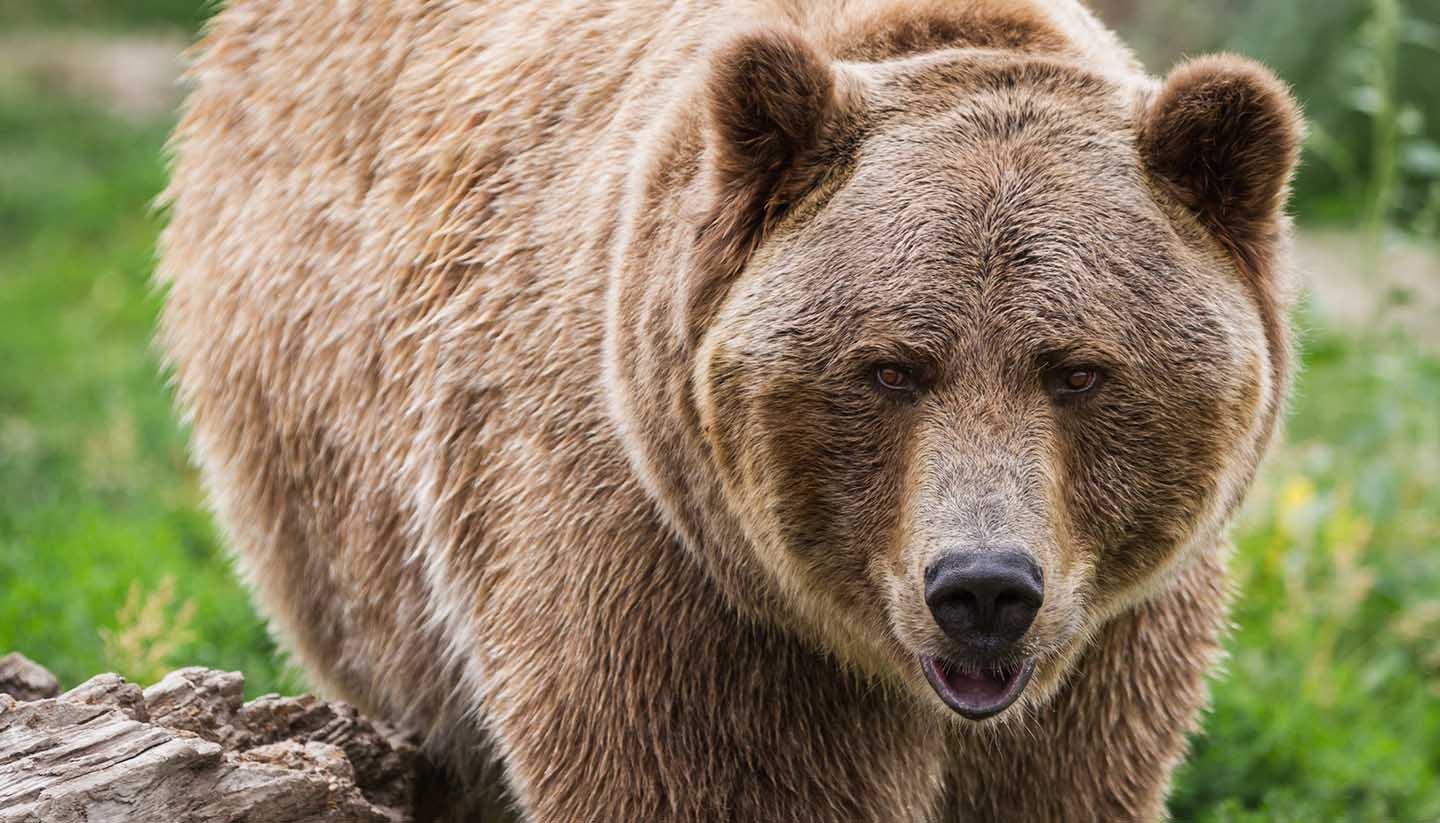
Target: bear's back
pixel 383 315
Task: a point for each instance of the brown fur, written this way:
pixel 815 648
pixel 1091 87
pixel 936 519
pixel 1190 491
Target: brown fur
pixel 527 352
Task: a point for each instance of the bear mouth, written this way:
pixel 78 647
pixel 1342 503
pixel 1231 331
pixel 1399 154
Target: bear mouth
pixel 977 694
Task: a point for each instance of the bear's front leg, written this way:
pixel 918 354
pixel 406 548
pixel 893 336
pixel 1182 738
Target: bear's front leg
pixel 1104 749
pixel 642 702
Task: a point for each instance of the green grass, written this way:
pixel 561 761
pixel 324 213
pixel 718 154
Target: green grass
pixel 1330 706
pixel 1329 709
pixel 187 14
pixel 95 492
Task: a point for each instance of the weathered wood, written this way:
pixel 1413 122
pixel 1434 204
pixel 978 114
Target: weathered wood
pixel 24 679
pixel 189 750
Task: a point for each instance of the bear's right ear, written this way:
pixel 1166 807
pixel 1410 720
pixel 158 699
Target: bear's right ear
pixel 1224 135
pixel 771 101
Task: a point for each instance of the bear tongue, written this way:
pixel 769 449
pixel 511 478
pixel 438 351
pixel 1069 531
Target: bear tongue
pixel 981 694
pixel 979 689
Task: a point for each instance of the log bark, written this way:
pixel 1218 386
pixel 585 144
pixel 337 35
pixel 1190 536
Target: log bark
pixel 189 749
pixel 24 679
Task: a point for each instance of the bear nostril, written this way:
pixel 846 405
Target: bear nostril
pixel 984 597
pixel 1014 600
pixel 1004 600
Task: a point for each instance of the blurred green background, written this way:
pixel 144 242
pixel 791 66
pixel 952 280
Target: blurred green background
pixel 1329 706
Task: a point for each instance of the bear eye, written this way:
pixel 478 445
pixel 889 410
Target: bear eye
pixel 1074 382
pixel 895 378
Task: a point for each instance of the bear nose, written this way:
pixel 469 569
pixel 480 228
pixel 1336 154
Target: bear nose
pixel 984 600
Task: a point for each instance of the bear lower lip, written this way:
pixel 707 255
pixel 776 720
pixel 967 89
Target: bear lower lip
pixel 977 696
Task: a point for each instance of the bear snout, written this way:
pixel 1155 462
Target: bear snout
pixel 984 600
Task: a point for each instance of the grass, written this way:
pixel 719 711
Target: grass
pixel 126 14
pixel 1329 709
pixel 95 492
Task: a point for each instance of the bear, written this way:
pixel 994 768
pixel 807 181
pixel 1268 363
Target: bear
pixel 757 411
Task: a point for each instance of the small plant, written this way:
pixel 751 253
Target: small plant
pixel 150 628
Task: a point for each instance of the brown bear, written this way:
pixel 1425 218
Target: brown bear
pixel 760 411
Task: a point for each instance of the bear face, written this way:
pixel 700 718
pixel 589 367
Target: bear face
pixel 975 350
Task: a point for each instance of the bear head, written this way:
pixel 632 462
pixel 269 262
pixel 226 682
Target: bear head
pixel 943 360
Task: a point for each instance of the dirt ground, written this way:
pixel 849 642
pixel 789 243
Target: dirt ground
pixel 1353 285
pixel 133 76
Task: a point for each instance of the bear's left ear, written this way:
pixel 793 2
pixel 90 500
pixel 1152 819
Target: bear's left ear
pixel 1224 136
pixel 771 102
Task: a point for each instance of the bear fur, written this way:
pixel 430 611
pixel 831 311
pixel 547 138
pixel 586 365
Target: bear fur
pixel 529 350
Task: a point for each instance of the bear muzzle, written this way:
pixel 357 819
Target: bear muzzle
pixel 983 601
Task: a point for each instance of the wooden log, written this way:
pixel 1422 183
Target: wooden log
pixel 24 679
pixel 189 750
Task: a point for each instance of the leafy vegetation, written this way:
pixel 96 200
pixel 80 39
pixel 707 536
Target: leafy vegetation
pixel 1329 708
pixel 1363 69
pixel 1330 705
